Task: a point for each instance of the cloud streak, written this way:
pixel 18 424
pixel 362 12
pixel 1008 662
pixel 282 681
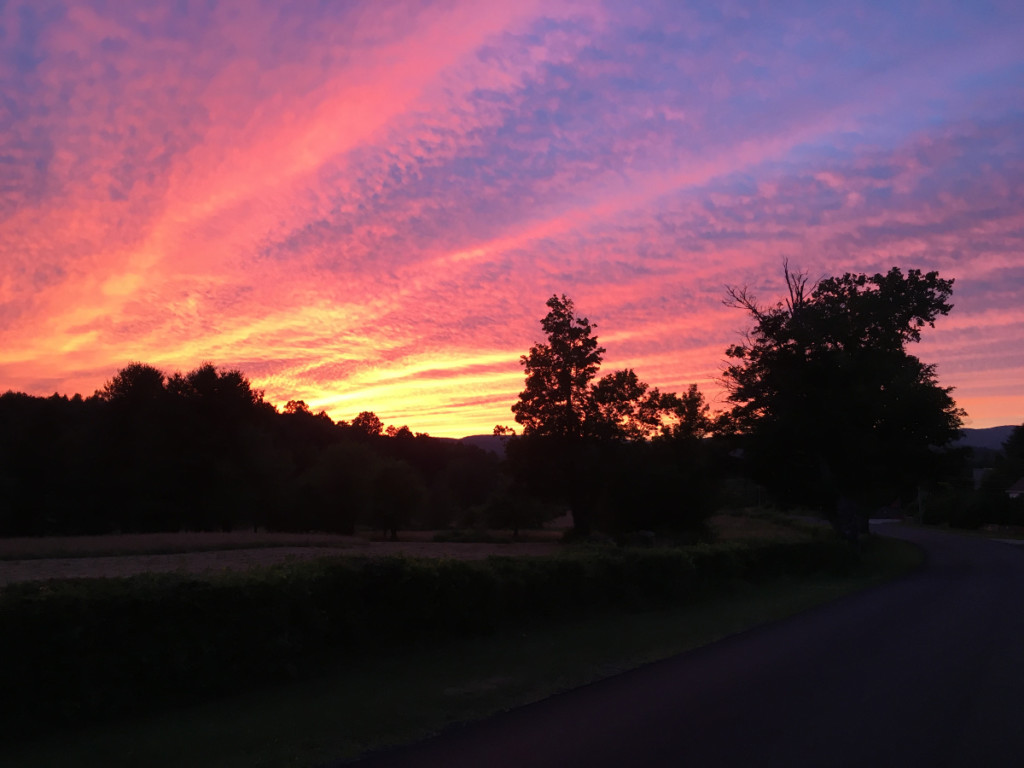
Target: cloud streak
pixel 366 205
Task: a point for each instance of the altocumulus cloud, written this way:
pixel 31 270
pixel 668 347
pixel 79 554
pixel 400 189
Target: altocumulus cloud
pixel 365 205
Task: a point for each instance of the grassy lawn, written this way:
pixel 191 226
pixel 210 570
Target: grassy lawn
pixel 362 704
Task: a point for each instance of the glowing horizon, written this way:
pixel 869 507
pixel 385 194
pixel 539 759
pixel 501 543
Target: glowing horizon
pixel 365 206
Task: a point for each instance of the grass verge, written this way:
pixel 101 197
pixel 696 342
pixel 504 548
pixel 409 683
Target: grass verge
pixel 141 544
pixel 362 704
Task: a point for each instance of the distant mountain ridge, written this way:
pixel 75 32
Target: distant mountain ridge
pixel 991 437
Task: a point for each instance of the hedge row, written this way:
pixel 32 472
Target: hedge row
pixel 79 650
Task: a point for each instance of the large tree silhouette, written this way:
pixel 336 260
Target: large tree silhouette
pixel 136 384
pixel 835 410
pixel 570 421
pixel 561 398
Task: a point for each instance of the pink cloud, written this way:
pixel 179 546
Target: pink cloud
pixel 368 209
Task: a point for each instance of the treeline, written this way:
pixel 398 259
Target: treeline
pixel 827 410
pixel 205 451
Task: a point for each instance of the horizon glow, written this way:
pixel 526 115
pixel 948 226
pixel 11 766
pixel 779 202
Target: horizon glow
pixel 366 205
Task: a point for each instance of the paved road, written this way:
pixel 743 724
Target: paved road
pixel 928 671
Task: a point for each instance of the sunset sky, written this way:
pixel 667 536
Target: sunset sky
pixel 365 205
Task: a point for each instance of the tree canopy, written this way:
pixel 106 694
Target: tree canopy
pixel 203 450
pixel 368 423
pixel 558 398
pixel 561 398
pixel 135 383
pixel 829 406
pixel 587 442
pixel 830 400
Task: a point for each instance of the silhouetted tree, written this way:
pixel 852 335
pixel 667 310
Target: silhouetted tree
pixel 626 408
pixel 835 411
pixel 220 434
pixel 397 495
pixel 368 423
pixel 513 509
pixel 670 486
pixel 691 415
pixel 136 383
pixel 337 490
pixel 1013 448
pixel 227 394
pixel 567 418
pixel 561 399
pixel 469 477
pixel 141 479
pixel 52 472
pixel 203 450
pixel 558 399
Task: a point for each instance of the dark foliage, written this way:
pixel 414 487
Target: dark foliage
pixel 204 451
pixel 561 399
pixel 586 443
pixel 834 410
pixel 830 409
pixel 992 502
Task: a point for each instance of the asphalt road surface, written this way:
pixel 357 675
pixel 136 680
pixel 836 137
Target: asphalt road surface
pixel 926 671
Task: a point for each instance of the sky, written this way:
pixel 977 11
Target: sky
pixel 365 205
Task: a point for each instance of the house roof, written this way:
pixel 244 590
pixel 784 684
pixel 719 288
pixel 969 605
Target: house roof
pixel 1017 487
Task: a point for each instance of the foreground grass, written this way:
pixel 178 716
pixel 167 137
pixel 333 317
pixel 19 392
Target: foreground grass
pixel 740 525
pixel 362 704
pixel 761 525
pixel 112 545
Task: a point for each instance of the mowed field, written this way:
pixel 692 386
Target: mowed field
pixel 31 559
